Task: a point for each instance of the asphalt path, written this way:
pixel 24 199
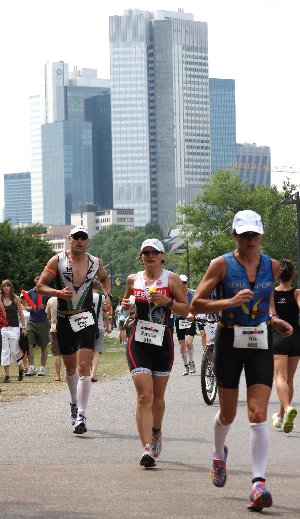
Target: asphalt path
pixel 48 472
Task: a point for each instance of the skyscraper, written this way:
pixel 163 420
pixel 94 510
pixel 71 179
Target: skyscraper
pixel 222 123
pixel 254 163
pixel 75 143
pixel 17 197
pixel 160 112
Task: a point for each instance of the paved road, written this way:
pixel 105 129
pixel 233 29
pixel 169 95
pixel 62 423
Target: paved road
pixel 48 472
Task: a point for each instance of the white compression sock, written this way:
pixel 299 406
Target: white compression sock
pixel 191 355
pixel 72 381
pixel 259 441
pixel 84 386
pixel 221 432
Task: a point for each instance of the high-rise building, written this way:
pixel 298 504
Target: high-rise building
pixel 17 198
pixel 254 164
pixel 74 152
pixel 160 112
pixel 222 124
pixel 36 121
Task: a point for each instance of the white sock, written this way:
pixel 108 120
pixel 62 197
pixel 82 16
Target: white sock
pixel 259 441
pixel 191 355
pixel 84 386
pixel 221 432
pixel 184 357
pixel 72 381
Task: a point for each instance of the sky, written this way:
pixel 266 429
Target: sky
pixel 254 42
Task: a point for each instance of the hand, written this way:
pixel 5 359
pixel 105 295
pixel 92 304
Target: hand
pixel 158 298
pixel 241 297
pixel 190 317
pixel 66 293
pixel 126 304
pixel 282 327
pixel 24 332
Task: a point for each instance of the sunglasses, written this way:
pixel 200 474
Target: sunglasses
pixel 184 282
pixel 249 234
pixel 148 252
pixel 79 236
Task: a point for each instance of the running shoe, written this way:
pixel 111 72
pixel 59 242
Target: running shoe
pixel 147 460
pixel 42 372
pixel 277 422
pixel 156 444
pixel 192 367
pixel 260 497
pixel 73 413
pixel 218 470
pixel 186 370
pixel 288 419
pixel 6 379
pixel 30 372
pixel 80 425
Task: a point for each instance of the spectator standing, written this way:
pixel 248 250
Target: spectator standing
pixel 51 311
pixel 38 328
pixel 120 317
pixel 11 332
pixel 99 303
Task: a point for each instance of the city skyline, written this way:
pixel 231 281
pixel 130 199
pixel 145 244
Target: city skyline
pixel 255 43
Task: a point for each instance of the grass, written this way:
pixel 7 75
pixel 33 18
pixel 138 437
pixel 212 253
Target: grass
pixel 112 362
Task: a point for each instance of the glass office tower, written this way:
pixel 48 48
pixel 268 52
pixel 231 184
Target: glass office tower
pixel 76 143
pixel 254 163
pixel 160 112
pixel 17 197
pixel 222 124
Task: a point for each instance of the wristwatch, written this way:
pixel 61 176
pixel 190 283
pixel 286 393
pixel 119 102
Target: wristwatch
pixel 274 315
pixel 108 295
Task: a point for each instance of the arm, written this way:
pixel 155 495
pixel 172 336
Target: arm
pixel 214 275
pixel 104 281
pixel 128 291
pixel 2 309
pixel 20 312
pixel 46 277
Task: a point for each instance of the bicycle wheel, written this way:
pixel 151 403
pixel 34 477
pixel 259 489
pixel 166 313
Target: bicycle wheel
pixel 208 379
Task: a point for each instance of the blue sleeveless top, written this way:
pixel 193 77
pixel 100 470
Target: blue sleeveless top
pixel 256 311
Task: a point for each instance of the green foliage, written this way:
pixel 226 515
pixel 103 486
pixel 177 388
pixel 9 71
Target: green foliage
pixel 206 222
pixel 22 254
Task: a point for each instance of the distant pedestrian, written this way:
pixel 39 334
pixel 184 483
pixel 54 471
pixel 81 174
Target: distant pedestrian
pixel 38 328
pixel 186 331
pixel 11 332
pixel 286 349
pixel 51 311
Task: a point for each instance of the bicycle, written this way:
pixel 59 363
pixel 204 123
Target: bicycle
pixel 208 379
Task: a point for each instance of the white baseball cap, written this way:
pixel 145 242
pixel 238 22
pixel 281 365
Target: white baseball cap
pixel 153 242
pixel 247 221
pixel 184 278
pixel 79 228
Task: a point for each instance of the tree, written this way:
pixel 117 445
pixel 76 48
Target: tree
pixel 22 254
pixel 206 222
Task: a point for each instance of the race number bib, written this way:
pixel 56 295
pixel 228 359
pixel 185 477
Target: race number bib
pixel 251 337
pixel 183 324
pixel 148 332
pixel 80 321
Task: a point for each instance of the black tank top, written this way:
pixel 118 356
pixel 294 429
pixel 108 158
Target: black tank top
pixel 286 306
pixel 12 314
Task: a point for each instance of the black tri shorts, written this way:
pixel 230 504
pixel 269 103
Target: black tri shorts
pixel 149 358
pixel 287 345
pixel 229 361
pixel 69 341
pixel 182 333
